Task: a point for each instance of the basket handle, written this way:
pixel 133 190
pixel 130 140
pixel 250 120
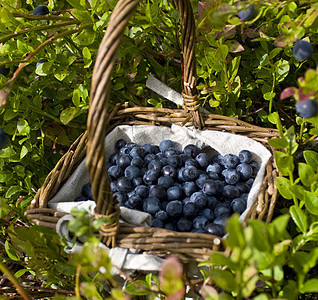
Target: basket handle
pixel 98 118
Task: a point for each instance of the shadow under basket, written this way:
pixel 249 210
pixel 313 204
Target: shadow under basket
pixel 102 119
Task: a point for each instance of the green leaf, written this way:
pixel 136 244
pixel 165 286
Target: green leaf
pixel 274 52
pixel 260 235
pixel 236 235
pixel 299 218
pixel 221 53
pixel 310 286
pixel 283 185
pixel 278 143
pixel 85 38
pixel 311 158
pixel 24 152
pixel 284 162
pixel 20 272
pixel 97 223
pixel 87 57
pixel 12 191
pixel 67 115
pixel 43 69
pixel 219 259
pixel 224 279
pixel 133 289
pixel 311 202
pixel 82 15
pixel 5 176
pixel 60 74
pixel 12 253
pixel 277 228
pixel 306 174
pixel 76 4
pixel 298 191
pixel 76 97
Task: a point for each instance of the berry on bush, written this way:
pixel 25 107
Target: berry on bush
pixel 307 108
pixel 302 50
pixel 41 10
pixel 247 13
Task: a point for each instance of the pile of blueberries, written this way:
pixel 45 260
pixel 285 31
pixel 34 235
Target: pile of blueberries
pixel 186 191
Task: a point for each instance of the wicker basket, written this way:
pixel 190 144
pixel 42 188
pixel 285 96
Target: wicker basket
pixel 102 119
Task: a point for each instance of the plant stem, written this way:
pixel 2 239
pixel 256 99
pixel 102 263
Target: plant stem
pixel 14 281
pixel 301 130
pixel 37 28
pixel 229 88
pixel 77 289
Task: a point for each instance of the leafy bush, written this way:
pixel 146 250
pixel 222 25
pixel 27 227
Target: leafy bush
pixel 245 69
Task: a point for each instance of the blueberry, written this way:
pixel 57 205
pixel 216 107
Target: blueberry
pixel 191 150
pixel 87 191
pixel 221 221
pixel 113 186
pixel 165 145
pixel 170 171
pixel 245 156
pixel 211 202
pixel 180 174
pixel 231 176
pixel 201 180
pixel 41 61
pixel 136 152
pixel 171 151
pixel 142 191
pixel 174 193
pixel 230 161
pixel 200 222
pixel 249 183
pixel 244 196
pixel 148 158
pixel 191 162
pixel 150 177
pixel 146 148
pixel 190 209
pixel 132 172
pixel 208 213
pixel 202 159
pixel 175 161
pixel 186 200
pixel 151 205
pixel 131 145
pixel 210 187
pixel 198 230
pixel 199 198
pixel 170 226
pixel 230 192
pixel 222 210
pixel 243 187
pixel 113 158
pixel 124 150
pixel 4 71
pixel 238 205
pixel 189 187
pixel 155 149
pixel 255 167
pixel 164 205
pixel 3 139
pixel 157 191
pixel 184 157
pixel 214 168
pixel 250 40
pixel 247 13
pixel 121 198
pixel 219 159
pixel 214 229
pixel 114 172
pixel 166 181
pixel 190 173
pixel 302 50
pixel 307 108
pixel 137 162
pixel 123 161
pixel 157 223
pixel 137 181
pixel 174 208
pixel 134 202
pixel 41 10
pixel 161 215
pixel 120 144
pixel 155 165
pixel 245 171
pixel 124 185
pixel 184 225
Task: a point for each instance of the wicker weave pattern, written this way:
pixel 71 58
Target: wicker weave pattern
pixel 102 119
